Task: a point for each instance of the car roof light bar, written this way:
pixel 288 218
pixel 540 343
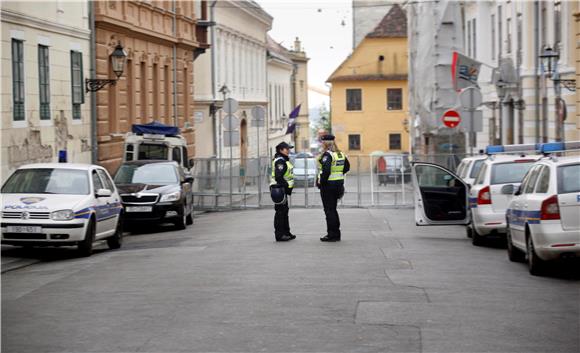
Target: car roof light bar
pixel 495 149
pixel 551 147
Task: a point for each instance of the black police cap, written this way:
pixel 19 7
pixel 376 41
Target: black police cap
pixel 283 145
pixel 327 138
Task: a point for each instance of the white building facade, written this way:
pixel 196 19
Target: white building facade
pixel 45 58
pixel 235 64
pixel 511 35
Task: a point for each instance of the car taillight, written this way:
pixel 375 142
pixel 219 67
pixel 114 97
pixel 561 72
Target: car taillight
pixel 484 196
pixel 550 208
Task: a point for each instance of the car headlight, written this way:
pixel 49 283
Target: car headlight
pixel 174 196
pixel 62 215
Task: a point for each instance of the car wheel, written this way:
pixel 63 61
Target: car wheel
pixel 116 241
pixel 535 264
pixel 85 247
pixel 476 239
pixel 181 222
pixel 514 254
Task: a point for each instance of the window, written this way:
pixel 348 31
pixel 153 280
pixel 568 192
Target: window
pixel 476 167
pixel 43 82
pixel 493 37
pixel 508 41
pixel 78 96
pixel 474 40
pixel 354 142
pixel 176 154
pixel 531 181
pixel 543 181
pixel 97 183
pixel 18 80
pixel 354 99
pixel 151 151
pixel 568 179
pixel 394 141
pixel 106 180
pixel 505 173
pixel 557 25
pixel 47 181
pixel 394 99
pixel 481 174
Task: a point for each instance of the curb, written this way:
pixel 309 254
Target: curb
pixel 17 264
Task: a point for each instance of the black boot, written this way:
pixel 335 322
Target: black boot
pixel 283 238
pixel 328 238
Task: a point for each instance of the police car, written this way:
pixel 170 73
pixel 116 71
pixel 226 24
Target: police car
pixel 441 196
pixel 469 168
pixel 491 193
pixel 544 215
pixel 61 204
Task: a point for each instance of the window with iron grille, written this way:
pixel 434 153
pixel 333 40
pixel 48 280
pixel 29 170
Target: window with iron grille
pixel 354 142
pixel 394 141
pixel 18 79
pixel 394 99
pixel 78 96
pixel 43 82
pixel 354 99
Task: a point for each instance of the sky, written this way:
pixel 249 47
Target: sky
pixel 325 29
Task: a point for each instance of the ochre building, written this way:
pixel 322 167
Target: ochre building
pixel 162 39
pixel 369 95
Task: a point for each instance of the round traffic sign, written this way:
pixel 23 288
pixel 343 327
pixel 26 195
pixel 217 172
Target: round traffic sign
pixel 258 113
pixel 451 118
pixel 230 106
pixel 231 122
pixel 470 98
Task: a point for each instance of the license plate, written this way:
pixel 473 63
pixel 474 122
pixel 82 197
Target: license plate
pixel 23 229
pixel 139 208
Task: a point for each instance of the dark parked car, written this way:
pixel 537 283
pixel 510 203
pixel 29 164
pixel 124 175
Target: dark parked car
pixel 155 191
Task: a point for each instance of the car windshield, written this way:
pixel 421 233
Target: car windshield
pixel 476 167
pixel 300 163
pixel 505 173
pixel 158 174
pixel 569 179
pixel 48 181
pixel 152 151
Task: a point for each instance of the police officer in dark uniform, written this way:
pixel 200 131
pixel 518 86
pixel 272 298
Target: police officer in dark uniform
pixel 333 165
pixel 282 177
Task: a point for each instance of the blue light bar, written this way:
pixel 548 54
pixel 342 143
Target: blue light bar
pixel 494 149
pixel 559 146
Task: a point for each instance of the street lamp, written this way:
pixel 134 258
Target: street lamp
pixel 118 58
pixel 550 59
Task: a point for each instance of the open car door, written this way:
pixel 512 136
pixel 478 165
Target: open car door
pixel 440 196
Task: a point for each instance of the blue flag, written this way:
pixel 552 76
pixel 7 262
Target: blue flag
pixel 292 120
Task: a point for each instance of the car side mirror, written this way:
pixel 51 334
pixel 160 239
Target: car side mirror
pixel 103 193
pixel 508 189
pixel 518 191
pixel 190 163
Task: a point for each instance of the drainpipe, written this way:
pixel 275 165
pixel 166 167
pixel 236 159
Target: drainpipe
pixel 213 76
pixel 93 65
pixel 174 25
pixel 537 66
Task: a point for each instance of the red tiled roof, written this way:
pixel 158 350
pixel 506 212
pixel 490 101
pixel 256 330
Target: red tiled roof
pixel 393 25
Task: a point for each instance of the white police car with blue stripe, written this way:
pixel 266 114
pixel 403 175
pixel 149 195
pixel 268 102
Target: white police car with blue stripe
pixel 61 204
pixel 544 215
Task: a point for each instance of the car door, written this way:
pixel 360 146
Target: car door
pixel 515 213
pixel 440 196
pixel 111 207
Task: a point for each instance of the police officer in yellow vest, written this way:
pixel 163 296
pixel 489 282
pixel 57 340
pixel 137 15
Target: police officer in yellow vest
pixel 282 178
pixel 332 166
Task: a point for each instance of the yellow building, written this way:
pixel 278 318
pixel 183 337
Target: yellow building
pixel 369 95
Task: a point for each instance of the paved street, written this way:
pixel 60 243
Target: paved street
pixel 224 285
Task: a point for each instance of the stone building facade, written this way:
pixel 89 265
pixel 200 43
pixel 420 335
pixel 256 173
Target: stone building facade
pixel 162 40
pixel 39 116
pixel 300 96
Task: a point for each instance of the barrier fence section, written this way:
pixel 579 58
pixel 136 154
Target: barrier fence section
pixel 378 180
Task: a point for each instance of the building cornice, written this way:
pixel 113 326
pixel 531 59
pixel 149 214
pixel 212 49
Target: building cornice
pixel 19 19
pixel 373 77
pixel 254 10
pixel 113 24
pixel 234 32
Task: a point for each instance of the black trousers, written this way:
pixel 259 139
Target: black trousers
pixel 330 194
pixel 281 222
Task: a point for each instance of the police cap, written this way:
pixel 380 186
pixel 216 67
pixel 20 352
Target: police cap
pixel 283 145
pixel 327 138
